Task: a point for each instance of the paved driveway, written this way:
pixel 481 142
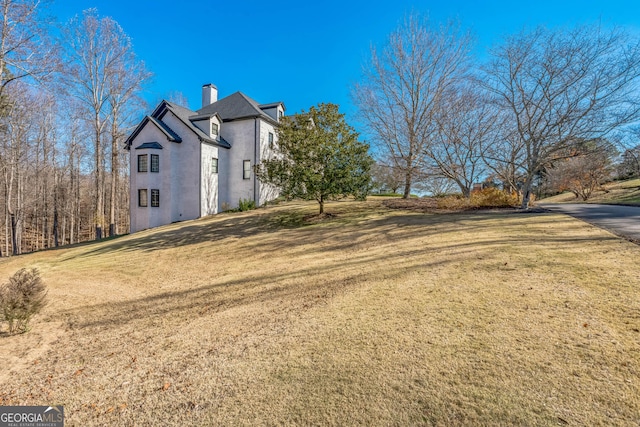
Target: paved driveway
pixel 622 220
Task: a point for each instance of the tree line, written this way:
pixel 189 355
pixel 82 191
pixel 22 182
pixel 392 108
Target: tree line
pixel 541 101
pixel 66 104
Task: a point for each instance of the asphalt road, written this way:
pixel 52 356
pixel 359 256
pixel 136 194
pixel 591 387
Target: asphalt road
pixel 621 220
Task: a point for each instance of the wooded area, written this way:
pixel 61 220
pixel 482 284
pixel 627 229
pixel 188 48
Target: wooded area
pixel 66 104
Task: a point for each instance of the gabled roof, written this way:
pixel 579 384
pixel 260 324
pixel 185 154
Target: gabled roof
pixel 183 114
pixel 235 107
pixel 171 135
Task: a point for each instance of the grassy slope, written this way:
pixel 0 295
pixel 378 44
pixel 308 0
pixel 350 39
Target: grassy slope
pixel 619 192
pixel 375 317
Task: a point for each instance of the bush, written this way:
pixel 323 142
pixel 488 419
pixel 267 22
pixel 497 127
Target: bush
pixel 21 298
pixel 246 205
pixel 453 202
pixel 486 198
pixel 493 198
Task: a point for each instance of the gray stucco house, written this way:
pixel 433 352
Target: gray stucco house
pixel 187 164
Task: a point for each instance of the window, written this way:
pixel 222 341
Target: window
pixel 142 163
pixel 280 114
pixel 214 165
pixel 142 197
pixel 246 169
pixel 214 129
pixel 155 163
pixel 155 198
pixel 270 140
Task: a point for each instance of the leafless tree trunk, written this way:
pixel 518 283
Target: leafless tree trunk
pixel 125 84
pixel 25 55
pixel 93 50
pixel 18 124
pixel 403 88
pixel 464 122
pixel 558 88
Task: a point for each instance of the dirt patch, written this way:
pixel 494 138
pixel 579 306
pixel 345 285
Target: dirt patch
pixel 316 218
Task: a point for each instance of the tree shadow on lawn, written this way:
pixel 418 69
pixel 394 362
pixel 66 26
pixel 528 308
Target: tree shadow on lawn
pixel 288 231
pixel 261 288
pixel 357 266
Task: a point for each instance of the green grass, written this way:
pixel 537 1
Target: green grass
pixel 371 316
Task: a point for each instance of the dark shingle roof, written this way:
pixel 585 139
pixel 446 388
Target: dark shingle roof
pixel 171 135
pixel 155 145
pixel 166 129
pixel 271 105
pixel 235 107
pixel 183 115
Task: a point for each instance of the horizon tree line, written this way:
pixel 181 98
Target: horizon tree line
pixel 434 111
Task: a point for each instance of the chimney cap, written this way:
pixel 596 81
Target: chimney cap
pixel 210 85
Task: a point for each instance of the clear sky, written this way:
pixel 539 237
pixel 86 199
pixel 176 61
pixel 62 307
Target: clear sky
pixel 304 53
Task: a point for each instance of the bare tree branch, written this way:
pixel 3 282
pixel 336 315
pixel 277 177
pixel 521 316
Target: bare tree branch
pixel 557 88
pixel 403 88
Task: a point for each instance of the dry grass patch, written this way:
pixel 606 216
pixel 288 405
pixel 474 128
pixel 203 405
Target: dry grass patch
pixel 373 317
pixel 620 192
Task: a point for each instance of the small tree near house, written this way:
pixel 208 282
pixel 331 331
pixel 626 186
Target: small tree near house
pixel 318 157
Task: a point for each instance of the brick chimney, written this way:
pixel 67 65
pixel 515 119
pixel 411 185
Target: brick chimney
pixel 209 94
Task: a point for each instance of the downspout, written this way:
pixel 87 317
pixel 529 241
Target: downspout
pixel 200 181
pixel 131 185
pixel 255 160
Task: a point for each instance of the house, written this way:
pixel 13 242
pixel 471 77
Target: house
pixel 187 164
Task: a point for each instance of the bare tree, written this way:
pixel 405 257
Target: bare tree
pixel 125 85
pixel 465 122
pixel 25 50
pixel 176 97
pixel 18 129
pixel 505 155
pixel 437 185
pixel 558 88
pixel 75 153
pixel 584 171
pixel 386 178
pixel 629 166
pixel 99 56
pixel 403 88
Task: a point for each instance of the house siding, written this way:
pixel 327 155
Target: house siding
pixel 209 184
pixel 184 184
pixel 188 187
pixel 146 217
pixel 242 133
pixel 265 192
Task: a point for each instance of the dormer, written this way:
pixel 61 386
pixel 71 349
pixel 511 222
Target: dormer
pixel 275 110
pixel 210 124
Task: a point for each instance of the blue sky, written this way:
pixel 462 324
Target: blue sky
pixel 304 53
